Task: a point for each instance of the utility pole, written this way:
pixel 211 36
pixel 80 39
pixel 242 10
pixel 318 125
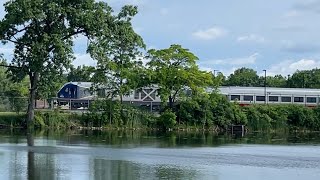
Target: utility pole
pixel 214 72
pixel 304 83
pixel 265 86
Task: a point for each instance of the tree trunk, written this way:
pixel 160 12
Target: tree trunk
pixel 32 98
pixel 171 102
pixel 121 99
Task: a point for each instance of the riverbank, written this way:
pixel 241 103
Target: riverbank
pixel 255 118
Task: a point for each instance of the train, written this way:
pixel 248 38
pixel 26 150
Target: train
pixel 270 95
pixel 79 95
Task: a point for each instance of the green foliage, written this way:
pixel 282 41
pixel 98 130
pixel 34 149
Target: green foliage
pixel 238 117
pixel 114 114
pixel 266 117
pixel 210 111
pixel 243 77
pixel 175 70
pixel 305 79
pixel 11 119
pixel 80 74
pixel 117 55
pixel 42 33
pixel 167 119
pixel 13 95
pixel 299 79
pixel 274 81
pixel 56 120
pixel 17 94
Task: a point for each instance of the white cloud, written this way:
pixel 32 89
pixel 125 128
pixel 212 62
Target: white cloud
pixel 292 14
pixel 299 47
pixel 290 66
pixel 309 5
pixel 226 71
pixel 83 59
pixel 131 2
pixel 228 65
pixel 210 34
pixel 252 38
pixel 233 61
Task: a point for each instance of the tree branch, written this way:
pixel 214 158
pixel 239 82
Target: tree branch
pixel 9 66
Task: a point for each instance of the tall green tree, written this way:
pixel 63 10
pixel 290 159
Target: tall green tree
pixel 175 71
pixel 3 76
pixel 243 77
pixel 42 32
pixel 117 55
pixel 273 81
pixel 80 74
pixel 13 95
pixel 305 79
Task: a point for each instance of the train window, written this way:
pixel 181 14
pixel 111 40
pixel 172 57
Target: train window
pixel 136 94
pixel 235 97
pixel 285 99
pixel 143 94
pixel 311 99
pixel 273 98
pixel 248 98
pixel 298 99
pixel 153 95
pixel 260 98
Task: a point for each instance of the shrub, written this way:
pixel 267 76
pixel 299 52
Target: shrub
pixel 12 119
pixel 167 120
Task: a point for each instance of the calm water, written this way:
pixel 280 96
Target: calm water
pixel 148 155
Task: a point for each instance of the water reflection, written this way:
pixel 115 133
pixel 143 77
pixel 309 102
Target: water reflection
pixel 154 155
pixel 114 169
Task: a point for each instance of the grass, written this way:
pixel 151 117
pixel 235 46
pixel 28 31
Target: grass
pixel 11 119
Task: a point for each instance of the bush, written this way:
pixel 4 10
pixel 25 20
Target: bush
pixel 12 119
pixel 167 120
pixel 113 113
pixel 55 120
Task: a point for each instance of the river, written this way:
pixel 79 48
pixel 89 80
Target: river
pixel 153 155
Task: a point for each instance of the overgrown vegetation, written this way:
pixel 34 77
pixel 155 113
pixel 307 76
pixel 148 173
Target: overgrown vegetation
pixel 42 37
pixel 107 113
pixel 293 117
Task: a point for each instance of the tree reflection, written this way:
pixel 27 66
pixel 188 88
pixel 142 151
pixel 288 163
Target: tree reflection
pixel 166 172
pixel 112 169
pixel 31 166
pixel 39 166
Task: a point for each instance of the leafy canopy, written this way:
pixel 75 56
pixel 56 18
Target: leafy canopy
pixel 174 70
pixel 117 55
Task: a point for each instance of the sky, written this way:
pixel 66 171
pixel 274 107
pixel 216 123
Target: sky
pixel 279 36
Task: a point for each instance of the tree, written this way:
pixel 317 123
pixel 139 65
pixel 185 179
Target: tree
pixel 175 70
pixel 80 74
pixel 273 81
pixel 243 77
pixel 42 32
pixel 3 76
pixel 17 94
pixel 305 79
pixel 117 55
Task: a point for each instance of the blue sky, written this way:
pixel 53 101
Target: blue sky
pixel 280 36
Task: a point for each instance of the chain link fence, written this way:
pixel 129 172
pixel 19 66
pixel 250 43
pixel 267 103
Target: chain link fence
pixel 19 104
pixel 13 104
